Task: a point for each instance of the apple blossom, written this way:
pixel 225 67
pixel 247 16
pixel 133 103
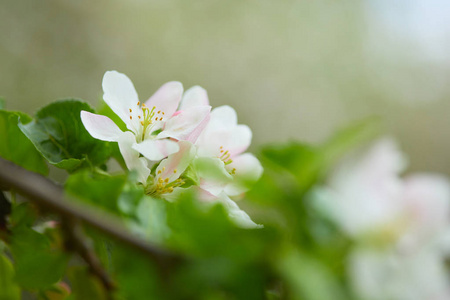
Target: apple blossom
pixel 155 124
pixel 167 174
pixel 401 226
pixel 223 142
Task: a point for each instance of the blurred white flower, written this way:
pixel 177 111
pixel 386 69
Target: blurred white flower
pixel 401 226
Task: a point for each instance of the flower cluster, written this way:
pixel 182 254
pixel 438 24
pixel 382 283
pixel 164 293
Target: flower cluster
pixel 400 225
pixel 175 143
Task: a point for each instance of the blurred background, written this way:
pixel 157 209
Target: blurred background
pixel 293 69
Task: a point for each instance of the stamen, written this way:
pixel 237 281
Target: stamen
pixel 174 171
pixel 139 103
pixel 131 117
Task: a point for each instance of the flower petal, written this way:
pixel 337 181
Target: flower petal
pixel 156 149
pixel 223 117
pixel 175 164
pixel 166 98
pixel 195 96
pixel 100 127
pixel 248 170
pixel 212 173
pixel 119 94
pixel 237 215
pixel 131 156
pixel 184 123
pixel 235 140
pixel 194 135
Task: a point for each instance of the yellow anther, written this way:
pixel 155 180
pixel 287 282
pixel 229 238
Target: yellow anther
pixel 139 103
pixel 163 113
pixel 142 123
pixel 159 172
pixel 131 117
pixel 139 117
pixel 174 171
pixel 166 180
pixel 159 111
pixel 164 168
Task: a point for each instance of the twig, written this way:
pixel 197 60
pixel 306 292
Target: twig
pixel 76 241
pixel 48 195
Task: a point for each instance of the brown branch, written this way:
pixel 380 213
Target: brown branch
pixel 49 195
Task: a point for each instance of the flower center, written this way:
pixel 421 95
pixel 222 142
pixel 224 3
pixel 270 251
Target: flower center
pixel 225 156
pixel 163 186
pixel 147 118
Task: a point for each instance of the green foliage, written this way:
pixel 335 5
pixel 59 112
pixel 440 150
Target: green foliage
pixel 84 285
pixel 298 254
pixel 15 146
pixel 9 289
pixel 101 190
pixel 39 261
pixel 58 133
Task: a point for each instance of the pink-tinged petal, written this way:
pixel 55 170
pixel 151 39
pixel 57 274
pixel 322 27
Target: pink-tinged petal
pixel 120 94
pixel 212 173
pixel 100 127
pixel 132 157
pixel 195 96
pixel 247 170
pixel 156 149
pixel 223 117
pixel 175 164
pixel 183 124
pixel 166 99
pixel 194 135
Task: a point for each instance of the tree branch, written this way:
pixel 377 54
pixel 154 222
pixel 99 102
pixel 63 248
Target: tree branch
pixel 49 195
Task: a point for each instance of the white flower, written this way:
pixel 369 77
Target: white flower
pixel 401 226
pixel 153 126
pixel 222 144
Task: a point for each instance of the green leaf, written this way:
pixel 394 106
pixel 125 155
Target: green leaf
pixel 137 276
pixel 2 103
pixel 58 133
pixel 38 261
pixel 307 278
pixel 350 138
pixel 98 189
pixel 9 290
pixel 307 164
pixel 38 264
pixel 84 285
pixel 15 146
